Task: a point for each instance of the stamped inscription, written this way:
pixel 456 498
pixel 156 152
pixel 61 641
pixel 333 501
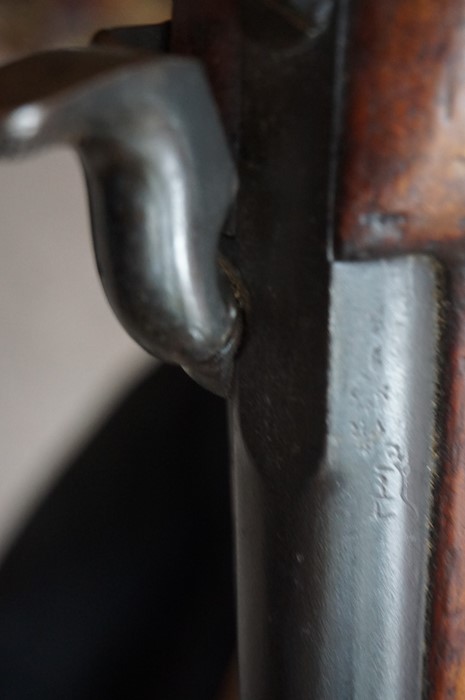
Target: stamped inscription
pixel 391 480
pixel 387 491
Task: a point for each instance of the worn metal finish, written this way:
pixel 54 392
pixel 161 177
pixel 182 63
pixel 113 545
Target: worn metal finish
pixel 160 183
pixel 402 185
pixel 312 16
pixel 375 485
pixel 332 398
pixel 332 557
pixel 287 25
pixel 279 400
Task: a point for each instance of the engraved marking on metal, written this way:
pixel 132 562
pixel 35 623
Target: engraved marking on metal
pixel 384 334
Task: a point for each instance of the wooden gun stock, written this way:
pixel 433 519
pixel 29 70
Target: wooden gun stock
pixel 400 190
pixel 403 190
pixel 327 303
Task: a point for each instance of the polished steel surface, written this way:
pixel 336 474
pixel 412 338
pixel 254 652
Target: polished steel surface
pixel 333 548
pixel 160 183
pixel 379 473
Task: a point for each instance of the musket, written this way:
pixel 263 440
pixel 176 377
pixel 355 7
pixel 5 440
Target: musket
pixel 300 252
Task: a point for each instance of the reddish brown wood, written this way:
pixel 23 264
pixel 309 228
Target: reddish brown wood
pixel 210 30
pixel 403 177
pixel 447 632
pixel 403 189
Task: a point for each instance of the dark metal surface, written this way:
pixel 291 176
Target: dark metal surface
pixel 332 411
pixel 333 546
pixel 279 400
pixel 374 492
pixel 160 182
pixel 321 580
pixel 312 16
pixel 146 37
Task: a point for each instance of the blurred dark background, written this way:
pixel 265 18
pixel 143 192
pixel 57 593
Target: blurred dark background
pixel 36 24
pixel 115 542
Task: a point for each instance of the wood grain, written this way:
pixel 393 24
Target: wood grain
pixel 446 672
pixel 210 30
pixel 403 178
pixel 402 190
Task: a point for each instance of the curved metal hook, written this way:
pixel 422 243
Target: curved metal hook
pixel 160 182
